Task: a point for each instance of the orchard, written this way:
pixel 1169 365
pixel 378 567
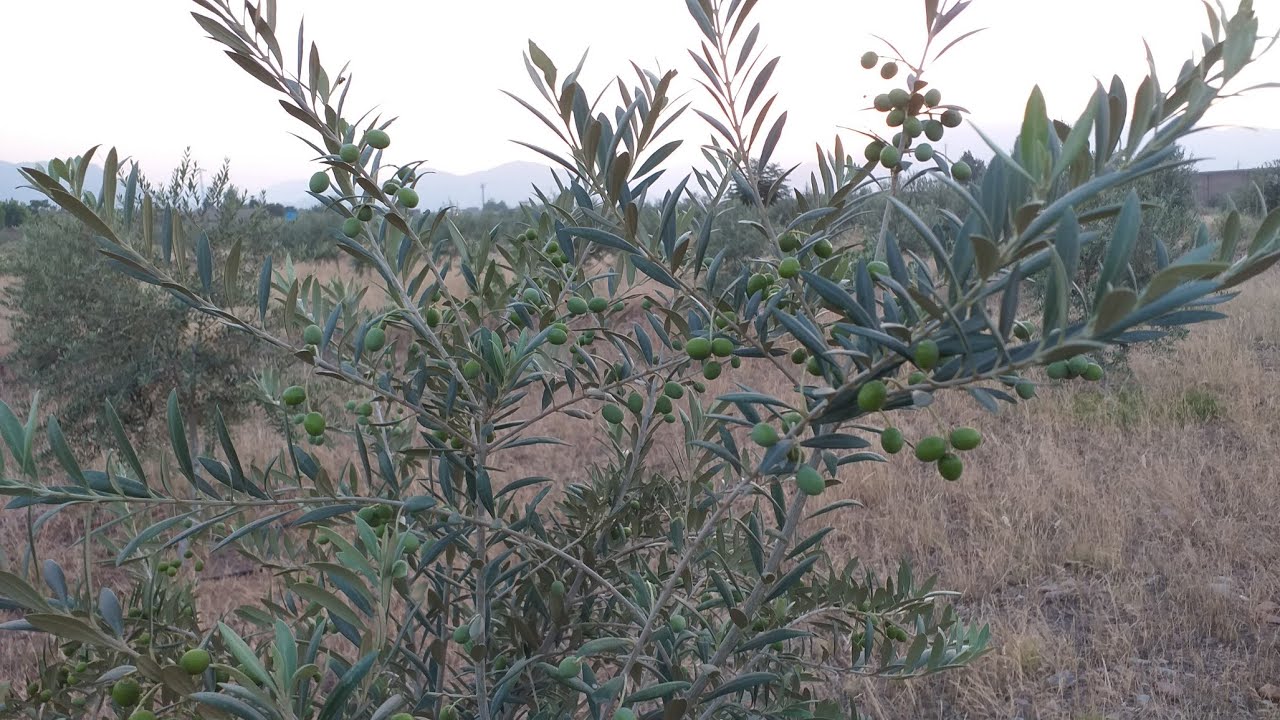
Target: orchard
pixel 682 579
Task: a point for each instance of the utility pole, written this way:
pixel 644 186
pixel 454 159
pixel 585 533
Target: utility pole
pixel 482 201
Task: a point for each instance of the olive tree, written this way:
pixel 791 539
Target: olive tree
pixel 413 579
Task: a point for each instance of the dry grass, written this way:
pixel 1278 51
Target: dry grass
pixel 1122 540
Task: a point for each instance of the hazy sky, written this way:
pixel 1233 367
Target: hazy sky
pixel 139 74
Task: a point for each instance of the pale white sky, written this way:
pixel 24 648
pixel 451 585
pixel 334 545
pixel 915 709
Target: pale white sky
pixel 139 74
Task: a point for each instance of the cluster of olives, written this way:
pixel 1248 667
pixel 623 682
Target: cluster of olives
pixel 1077 367
pixel 399 189
pixel 808 479
pixel 127 693
pixel 911 113
pixel 293 396
pixel 170 568
pixel 936 448
pixel 711 351
pixel 663 405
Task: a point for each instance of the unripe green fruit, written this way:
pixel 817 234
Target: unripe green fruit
pixel 869 60
pixel 557 588
pixel 789 268
pixel 391 187
pixel 889 70
pixel 126 692
pixel 400 569
pixel 364 409
pixel 924 152
pixel 319 182
pixel 871 396
pixel 349 153
pixel 364 213
pixel 698 348
pixel 408 197
pixel 756 283
pixel 1026 390
pixel 195 661
pixel 531 235
pixel 576 306
pixel 878 268
pixel 722 347
pixel 678 623
pixel 950 467
pixel 814 366
pixel 1092 373
pixel 965 438
pixel 912 127
pixel 1078 365
pixel 789 242
pixel 961 171
pixel 411 543
pixel 624 714
pixel 799 356
pixel 462 633
pixel 810 481
pixel 662 405
pixel 934 130
pixel 570 667
pixel 597 304
pixel 612 414
pixel 764 435
pixel 891 440
pixel 711 370
pixel 143 715
pixel 899 97
pixel 556 336
pixel 635 403
pixel 198 566
pixel 1022 330
pixel 312 335
pixel 735 362
pixel 314 424
pixel 374 339
pixel 351 227
pixel 890 157
pixel 933 98
pixel 401 716
pixel 896 117
pixel 449 712
pixel 952 118
pixel 377 139
pixel 1058 370
pixel 931 449
pixel 917 378
pixel 823 249
pixel 927 355
pixel 673 390
pixel 883 103
pixel 433 317
pixel 294 395
pixel 872 152
pixel 471 369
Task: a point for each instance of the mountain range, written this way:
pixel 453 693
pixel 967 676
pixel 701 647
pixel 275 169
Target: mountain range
pixel 1225 149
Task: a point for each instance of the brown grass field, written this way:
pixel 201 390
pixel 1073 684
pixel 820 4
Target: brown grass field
pixel 1122 539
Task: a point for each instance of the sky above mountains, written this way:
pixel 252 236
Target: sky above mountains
pixel 153 85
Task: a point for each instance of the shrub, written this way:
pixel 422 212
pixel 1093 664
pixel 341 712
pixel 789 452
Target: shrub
pixel 426 576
